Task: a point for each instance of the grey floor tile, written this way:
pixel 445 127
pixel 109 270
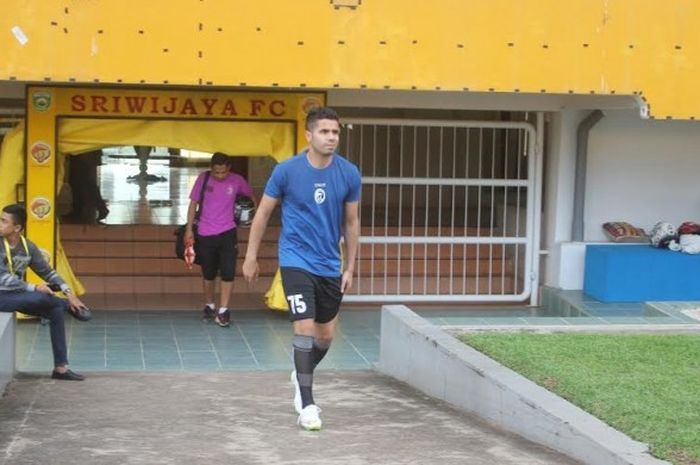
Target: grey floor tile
pixel 622 320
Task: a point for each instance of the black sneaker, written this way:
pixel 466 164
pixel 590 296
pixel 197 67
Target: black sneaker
pixel 208 313
pixel 223 319
pixel 102 213
pixel 67 375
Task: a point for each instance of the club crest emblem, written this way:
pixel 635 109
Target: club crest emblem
pixel 41 101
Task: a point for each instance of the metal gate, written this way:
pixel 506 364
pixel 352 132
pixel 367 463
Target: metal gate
pixel 447 210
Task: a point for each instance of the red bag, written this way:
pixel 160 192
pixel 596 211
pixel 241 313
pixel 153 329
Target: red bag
pixel 689 227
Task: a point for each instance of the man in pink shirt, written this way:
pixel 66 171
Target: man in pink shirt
pixel 216 245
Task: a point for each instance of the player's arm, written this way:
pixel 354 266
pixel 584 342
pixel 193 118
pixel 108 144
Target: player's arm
pixel 351 233
pixel 257 230
pixel 191 211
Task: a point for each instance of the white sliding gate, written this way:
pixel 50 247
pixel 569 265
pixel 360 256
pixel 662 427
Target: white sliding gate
pixel 448 210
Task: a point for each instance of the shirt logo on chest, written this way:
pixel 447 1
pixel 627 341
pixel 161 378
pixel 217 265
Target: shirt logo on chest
pixel 320 193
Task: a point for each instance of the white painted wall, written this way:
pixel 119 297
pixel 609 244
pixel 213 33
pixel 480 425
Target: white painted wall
pixel 641 171
pixel 559 193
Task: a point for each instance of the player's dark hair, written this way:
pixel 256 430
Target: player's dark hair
pixel 320 113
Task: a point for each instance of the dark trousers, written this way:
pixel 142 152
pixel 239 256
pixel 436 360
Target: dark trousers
pixel 45 306
pixel 217 255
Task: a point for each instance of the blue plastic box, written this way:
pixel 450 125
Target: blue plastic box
pixel 638 273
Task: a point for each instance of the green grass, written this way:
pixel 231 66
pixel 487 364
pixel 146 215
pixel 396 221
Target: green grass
pixel 647 386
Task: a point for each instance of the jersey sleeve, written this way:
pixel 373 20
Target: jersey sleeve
pixel 275 185
pixel 355 186
pixel 244 188
pixel 197 188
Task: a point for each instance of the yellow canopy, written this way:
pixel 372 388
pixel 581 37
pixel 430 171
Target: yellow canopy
pixel 11 164
pixel 257 139
pixel 76 136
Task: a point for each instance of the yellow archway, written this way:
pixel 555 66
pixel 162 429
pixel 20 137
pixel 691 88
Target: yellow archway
pixel 63 120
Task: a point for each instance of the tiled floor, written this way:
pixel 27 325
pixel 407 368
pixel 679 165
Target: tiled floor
pixel 151 341
pixel 261 339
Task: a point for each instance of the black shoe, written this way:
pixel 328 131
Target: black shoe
pixel 102 214
pixel 208 313
pixel 67 376
pixel 81 314
pixel 223 319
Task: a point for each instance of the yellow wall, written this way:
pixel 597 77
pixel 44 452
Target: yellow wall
pixel 554 46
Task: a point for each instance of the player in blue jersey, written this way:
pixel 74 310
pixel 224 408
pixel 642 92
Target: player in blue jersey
pixel 319 192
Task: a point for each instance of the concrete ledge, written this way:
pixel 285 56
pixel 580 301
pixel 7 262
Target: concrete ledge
pixel 424 356
pixel 581 328
pixel 7 349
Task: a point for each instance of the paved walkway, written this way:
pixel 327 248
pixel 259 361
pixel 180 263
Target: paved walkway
pixel 165 388
pixel 243 418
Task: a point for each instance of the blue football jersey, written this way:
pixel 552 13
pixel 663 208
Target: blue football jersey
pixel 313 206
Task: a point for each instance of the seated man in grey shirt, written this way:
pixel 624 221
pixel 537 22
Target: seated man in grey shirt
pixel 16 255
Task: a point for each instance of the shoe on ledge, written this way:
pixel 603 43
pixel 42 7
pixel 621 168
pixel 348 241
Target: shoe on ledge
pixel 81 314
pixel 102 214
pixel 67 375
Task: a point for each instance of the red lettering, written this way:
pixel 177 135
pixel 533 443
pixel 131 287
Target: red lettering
pixel 188 107
pixel 229 109
pixel 98 103
pixel 77 103
pixel 256 106
pixel 171 109
pixel 277 103
pixel 115 100
pixel 135 104
pixel 209 104
pixel 154 104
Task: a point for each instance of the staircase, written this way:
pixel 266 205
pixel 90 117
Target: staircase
pixel 427 269
pixel 134 267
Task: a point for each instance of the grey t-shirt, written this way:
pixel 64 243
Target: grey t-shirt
pixel 20 262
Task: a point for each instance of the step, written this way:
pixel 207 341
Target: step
pixel 150 233
pixel 162 285
pixel 165 302
pixel 144 233
pixel 96 285
pixel 433 285
pixel 432 267
pixel 143 249
pixel 148 267
pixel 97 266
pixel 483 251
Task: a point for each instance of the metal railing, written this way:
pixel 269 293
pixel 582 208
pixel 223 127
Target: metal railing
pixel 447 209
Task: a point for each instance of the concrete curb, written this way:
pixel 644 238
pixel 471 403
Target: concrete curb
pixel 7 349
pixel 424 356
pixel 626 328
